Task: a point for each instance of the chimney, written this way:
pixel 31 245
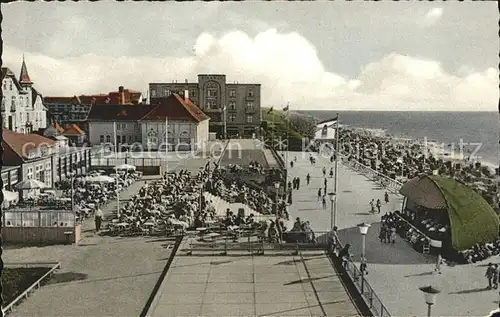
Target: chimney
pixel 120 89
pixel 121 99
pixel 186 95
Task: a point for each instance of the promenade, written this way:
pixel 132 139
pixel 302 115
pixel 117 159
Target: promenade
pixel 101 276
pixel 395 271
pixel 214 286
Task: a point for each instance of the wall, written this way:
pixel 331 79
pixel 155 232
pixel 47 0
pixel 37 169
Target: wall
pixel 40 235
pixel 177 130
pixel 44 163
pixel 132 131
pixel 202 133
pixel 241 99
pixel 10 90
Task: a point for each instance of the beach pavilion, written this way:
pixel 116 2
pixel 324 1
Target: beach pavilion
pixel 459 216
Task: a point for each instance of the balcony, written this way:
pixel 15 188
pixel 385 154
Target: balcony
pixel 251 110
pixel 212 110
pixel 250 98
pixel 13 108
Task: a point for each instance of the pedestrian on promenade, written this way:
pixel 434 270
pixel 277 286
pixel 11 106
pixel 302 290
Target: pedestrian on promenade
pixel 98 219
pixel 331 159
pixel 319 194
pixel 345 255
pixel 308 178
pixel 496 275
pixel 333 241
pixel 323 202
pixel 324 171
pixel 439 261
pixel 393 235
pixel 298 183
pixel 324 191
pixel 291 164
pixel 295 159
pixel 489 274
pixel 386 197
pixel 294 183
pixel 379 204
pixel 325 182
pixel 331 172
pixel 372 206
pixel 383 233
pixel 289 185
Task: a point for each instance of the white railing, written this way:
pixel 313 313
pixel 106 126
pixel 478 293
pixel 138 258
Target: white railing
pixel 35 285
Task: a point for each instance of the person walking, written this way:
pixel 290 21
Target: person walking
pixel 379 204
pixel 291 164
pixel 383 233
pixel 323 202
pixel 308 178
pixel 98 215
pixel 489 274
pixel 386 197
pixel 331 172
pixel 372 206
pixel 495 276
pixel 324 171
pixel 319 193
pixel 325 182
pixel 439 261
pixel 298 183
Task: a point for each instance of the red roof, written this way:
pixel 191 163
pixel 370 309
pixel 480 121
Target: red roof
pixel 24 78
pixel 74 130
pixel 128 97
pixel 22 144
pixel 58 127
pixel 176 108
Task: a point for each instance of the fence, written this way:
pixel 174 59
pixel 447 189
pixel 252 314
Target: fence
pixel 149 162
pixel 364 288
pixel 34 286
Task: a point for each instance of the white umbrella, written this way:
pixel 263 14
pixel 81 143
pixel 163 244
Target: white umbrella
pixel 125 167
pixel 100 179
pixel 30 184
pixel 10 196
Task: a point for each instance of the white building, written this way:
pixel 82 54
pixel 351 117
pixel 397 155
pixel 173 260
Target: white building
pixel 22 105
pixel 143 127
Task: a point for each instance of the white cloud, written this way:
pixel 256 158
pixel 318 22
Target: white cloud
pixel 286 65
pixel 432 16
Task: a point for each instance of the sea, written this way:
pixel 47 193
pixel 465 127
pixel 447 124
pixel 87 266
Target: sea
pixel 482 128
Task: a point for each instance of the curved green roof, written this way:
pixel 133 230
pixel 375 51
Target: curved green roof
pixel 472 219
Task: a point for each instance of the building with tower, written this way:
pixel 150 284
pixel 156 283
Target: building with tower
pixel 22 105
pixel 233 108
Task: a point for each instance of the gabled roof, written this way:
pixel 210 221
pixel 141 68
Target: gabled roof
pixel 58 127
pixel 118 112
pixel 61 100
pixel 130 97
pixel 6 72
pixel 24 77
pixel 22 144
pixel 74 130
pixel 34 95
pixel 175 107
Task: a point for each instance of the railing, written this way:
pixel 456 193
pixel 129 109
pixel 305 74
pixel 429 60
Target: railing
pixel 33 286
pixel 40 218
pixel 364 288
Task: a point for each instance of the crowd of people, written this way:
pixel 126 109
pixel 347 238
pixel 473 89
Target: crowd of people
pixel 405 160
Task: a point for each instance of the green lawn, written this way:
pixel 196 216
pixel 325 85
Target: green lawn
pixel 17 280
pixel 276 122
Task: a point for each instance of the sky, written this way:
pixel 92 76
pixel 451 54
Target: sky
pixel 402 56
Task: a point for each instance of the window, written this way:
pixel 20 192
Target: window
pixel 101 138
pixel 232 117
pixel 167 92
pixel 124 139
pixel 232 105
pixel 212 92
pixel 249 105
pixel 250 92
pixel 124 126
pixel 153 93
pixel 13 101
pixel 108 138
pixel 192 93
pixel 29 174
pixel 129 139
pixel 211 104
pixel 4 85
pixel 249 119
pixel 232 93
pixel 47 166
pixel 10 85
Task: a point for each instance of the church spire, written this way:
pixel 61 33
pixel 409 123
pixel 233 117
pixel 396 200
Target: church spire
pixel 24 78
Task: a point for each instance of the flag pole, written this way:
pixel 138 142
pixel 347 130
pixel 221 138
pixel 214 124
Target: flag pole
pixel 272 144
pixel 116 171
pixel 286 153
pixel 166 148
pixel 336 181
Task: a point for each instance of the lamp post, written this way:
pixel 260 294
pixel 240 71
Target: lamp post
pixel 333 213
pixel 430 294
pixel 277 186
pixel 363 230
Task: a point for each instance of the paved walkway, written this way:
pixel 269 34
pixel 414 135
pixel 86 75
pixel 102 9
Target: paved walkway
pixel 244 151
pixel 102 276
pixel 395 271
pixel 252 286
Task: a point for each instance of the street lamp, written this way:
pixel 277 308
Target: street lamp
pixel 363 230
pixel 277 186
pixel 430 294
pixel 333 213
